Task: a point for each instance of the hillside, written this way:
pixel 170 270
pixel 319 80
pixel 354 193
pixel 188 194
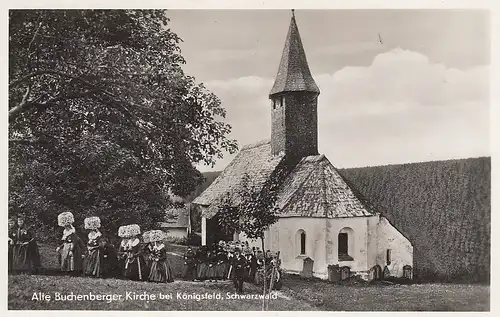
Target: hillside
pixel 443 207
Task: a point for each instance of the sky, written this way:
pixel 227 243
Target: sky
pixel 420 95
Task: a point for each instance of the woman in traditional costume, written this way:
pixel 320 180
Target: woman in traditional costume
pixel 122 248
pixel 12 237
pixel 110 266
pixel 135 265
pixel 222 264
pixel 161 270
pixel 94 259
pixel 211 264
pixel 26 256
pixel 147 248
pixel 70 252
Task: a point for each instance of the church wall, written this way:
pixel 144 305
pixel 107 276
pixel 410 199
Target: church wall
pixel 358 242
pixel 284 236
pixel 373 254
pixel 289 233
pixel 401 254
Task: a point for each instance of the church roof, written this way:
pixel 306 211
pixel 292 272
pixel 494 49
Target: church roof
pixel 255 160
pixel 313 188
pixel 293 72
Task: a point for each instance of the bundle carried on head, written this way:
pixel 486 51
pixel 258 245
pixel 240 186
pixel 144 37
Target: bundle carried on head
pixel 146 237
pixel 122 232
pixel 157 236
pixel 135 230
pixel 129 231
pixel 65 218
pixel 92 223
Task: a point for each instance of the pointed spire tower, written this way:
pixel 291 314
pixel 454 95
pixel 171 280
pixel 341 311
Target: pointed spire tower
pixel 294 101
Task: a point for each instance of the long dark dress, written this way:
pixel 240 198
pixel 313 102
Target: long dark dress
pixel 160 271
pixel 201 269
pixel 10 259
pixel 221 265
pixel 189 271
pixel 135 265
pixel 70 252
pixel 25 253
pixel 122 256
pixel 211 263
pixel 110 267
pixel 94 259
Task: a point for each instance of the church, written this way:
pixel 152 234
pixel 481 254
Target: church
pixel 322 219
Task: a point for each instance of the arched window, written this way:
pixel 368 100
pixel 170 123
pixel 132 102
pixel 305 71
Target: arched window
pixel 301 242
pixel 345 244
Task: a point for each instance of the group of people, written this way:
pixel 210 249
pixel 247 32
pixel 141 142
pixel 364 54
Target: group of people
pixel 138 257
pixel 226 261
pixel 135 259
pixel 23 249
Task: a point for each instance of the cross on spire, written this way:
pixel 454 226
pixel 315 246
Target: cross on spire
pixel 293 13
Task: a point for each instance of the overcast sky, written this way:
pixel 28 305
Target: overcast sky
pixel 421 95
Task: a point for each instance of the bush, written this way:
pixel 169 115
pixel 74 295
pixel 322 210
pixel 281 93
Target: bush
pixel 177 240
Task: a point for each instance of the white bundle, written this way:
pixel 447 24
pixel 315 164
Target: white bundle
pixel 146 237
pixel 92 223
pixel 123 232
pixel 134 230
pixel 157 235
pixel 65 218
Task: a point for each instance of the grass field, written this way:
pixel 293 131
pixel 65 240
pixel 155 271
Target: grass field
pixel 297 294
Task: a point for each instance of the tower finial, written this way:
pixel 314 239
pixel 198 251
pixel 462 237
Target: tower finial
pixel 293 13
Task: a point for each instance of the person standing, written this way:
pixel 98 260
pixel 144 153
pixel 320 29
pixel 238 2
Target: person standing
pixel 202 266
pixel 122 248
pixel 161 270
pixel 135 265
pixel 12 237
pixel 25 253
pixel 189 272
pixel 253 266
pixel 94 260
pixel 239 264
pixel 70 250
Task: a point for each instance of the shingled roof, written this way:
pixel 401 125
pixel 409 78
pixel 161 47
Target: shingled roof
pixel 255 160
pixel 293 72
pixel 315 189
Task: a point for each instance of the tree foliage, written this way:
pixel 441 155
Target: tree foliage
pixel 102 118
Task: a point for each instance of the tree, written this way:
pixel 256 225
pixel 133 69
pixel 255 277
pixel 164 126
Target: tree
pixel 102 118
pixel 252 209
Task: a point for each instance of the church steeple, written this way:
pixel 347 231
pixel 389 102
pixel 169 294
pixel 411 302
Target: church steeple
pixel 294 100
pixel 293 72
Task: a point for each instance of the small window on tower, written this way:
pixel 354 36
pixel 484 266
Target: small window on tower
pixel 278 102
pixel 388 256
pixel 273 103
